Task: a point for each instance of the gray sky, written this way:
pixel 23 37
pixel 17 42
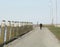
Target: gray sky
pixel 29 10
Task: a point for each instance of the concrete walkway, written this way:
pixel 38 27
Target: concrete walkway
pixel 36 38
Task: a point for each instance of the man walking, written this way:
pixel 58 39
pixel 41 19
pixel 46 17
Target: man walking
pixel 40 26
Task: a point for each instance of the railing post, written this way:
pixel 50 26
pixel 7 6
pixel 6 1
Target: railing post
pixel 20 28
pixel 2 37
pixel 17 28
pixel 12 30
pixel 8 37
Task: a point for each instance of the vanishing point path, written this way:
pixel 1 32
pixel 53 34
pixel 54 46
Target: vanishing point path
pixel 36 38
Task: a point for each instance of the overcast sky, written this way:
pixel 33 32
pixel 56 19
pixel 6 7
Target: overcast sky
pixel 29 10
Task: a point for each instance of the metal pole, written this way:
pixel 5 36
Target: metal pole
pixel 51 11
pixel 56 12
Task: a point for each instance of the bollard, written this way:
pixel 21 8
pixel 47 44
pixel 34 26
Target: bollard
pixel 2 32
pixel 8 37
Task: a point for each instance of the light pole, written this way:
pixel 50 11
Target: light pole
pixel 56 12
pixel 51 11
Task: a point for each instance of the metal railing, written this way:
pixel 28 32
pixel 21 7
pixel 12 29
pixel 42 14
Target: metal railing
pixel 13 30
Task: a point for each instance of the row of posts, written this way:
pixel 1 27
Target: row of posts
pixel 9 30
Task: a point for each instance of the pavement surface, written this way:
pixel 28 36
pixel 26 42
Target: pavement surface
pixel 36 38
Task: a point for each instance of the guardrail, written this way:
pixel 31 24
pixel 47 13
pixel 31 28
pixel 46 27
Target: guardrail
pixel 13 30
